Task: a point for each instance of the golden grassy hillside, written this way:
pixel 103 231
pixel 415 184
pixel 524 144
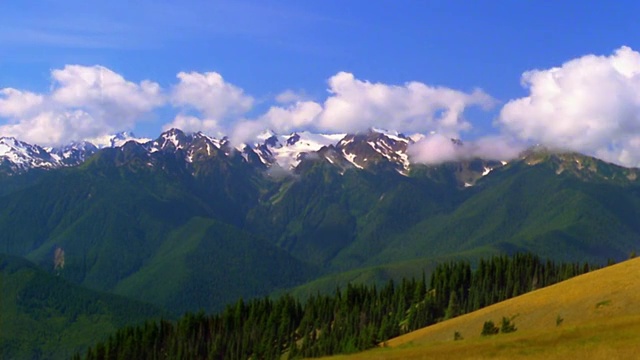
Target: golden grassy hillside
pixel 599 312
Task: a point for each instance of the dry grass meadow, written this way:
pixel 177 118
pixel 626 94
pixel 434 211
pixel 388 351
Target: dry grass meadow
pixel 593 316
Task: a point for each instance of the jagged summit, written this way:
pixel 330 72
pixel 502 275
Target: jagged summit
pixel 73 153
pixel 17 156
pixel 116 140
pixel 371 150
pixel 287 150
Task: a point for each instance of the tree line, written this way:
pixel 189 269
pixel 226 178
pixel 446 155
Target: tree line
pixel 351 319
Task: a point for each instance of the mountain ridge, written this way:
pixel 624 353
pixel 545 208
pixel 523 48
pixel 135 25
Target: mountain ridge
pixel 116 214
pixel 369 149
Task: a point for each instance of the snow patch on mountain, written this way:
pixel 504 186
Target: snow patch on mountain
pixel 287 150
pixel 375 149
pixel 19 156
pixel 116 140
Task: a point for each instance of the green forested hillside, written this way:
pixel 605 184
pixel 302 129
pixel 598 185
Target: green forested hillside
pixel 531 208
pixel 123 226
pixel 206 264
pixel 45 317
pixel 352 319
pixel 219 227
pixel 200 235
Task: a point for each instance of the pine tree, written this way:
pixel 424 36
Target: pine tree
pixel 489 328
pixel 507 326
pixel 453 309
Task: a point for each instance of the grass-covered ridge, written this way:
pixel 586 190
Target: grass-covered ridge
pixel 592 316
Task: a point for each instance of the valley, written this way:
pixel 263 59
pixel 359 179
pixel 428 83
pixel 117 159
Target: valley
pixel 188 222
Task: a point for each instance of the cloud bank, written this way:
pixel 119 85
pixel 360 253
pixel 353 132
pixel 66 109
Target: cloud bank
pixel 437 148
pixel 356 105
pixel 85 102
pixel 90 101
pixel 590 104
pixel 211 97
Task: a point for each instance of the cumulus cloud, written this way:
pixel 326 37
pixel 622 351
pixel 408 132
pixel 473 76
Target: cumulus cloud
pixel 590 104
pixel 192 124
pixel 246 131
pixel 53 127
pixel 211 97
pixel 85 101
pixel 281 119
pixel 355 104
pixel 294 116
pixel 16 103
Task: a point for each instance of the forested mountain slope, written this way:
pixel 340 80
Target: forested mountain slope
pixel 217 223
pixel 45 317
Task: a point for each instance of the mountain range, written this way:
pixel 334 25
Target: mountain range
pixel 187 221
pixel 285 151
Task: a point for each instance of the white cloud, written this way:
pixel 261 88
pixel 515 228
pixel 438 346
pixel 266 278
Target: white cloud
pixel 53 127
pixel 413 107
pixel 211 96
pixel 434 149
pixel 355 105
pixel 281 119
pixel 193 124
pixel 246 131
pixel 298 115
pixel 290 96
pixel 495 147
pixel 16 103
pixel 438 148
pixel 86 101
pixel 590 104
pixel 106 95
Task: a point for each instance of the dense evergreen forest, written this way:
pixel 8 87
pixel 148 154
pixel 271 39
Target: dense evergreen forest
pixel 352 319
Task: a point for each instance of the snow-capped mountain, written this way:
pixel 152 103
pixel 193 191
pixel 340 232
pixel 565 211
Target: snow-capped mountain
pixel 373 150
pixel 375 147
pixel 18 156
pixel 288 150
pixel 74 153
pixel 116 140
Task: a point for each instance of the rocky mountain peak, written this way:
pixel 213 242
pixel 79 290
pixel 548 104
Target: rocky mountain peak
pixel 372 148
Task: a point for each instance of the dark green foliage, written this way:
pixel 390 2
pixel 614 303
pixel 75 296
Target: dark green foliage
pixel 453 309
pixel 489 328
pixel 44 316
pixel 220 228
pixel 507 326
pixel 207 263
pixel 126 217
pixel 122 225
pixel 352 319
pixel 496 279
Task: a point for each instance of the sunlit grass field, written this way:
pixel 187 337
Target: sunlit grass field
pixel 593 316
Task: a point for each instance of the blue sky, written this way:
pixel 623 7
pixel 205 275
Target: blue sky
pixel 453 67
